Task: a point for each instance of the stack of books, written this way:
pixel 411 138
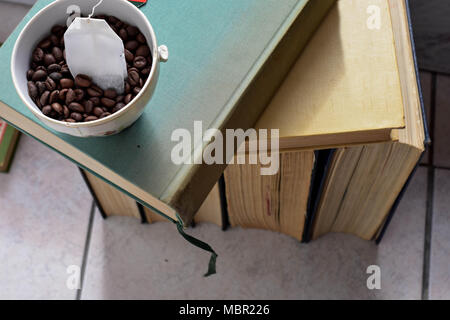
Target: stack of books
pixel 352 131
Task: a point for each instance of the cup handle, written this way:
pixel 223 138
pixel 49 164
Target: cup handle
pixel 163 53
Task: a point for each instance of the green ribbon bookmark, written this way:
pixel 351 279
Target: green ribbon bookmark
pixel 200 244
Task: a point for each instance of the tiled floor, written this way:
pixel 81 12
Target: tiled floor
pixel 47 225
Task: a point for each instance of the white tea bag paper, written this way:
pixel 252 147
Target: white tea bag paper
pixel 94 49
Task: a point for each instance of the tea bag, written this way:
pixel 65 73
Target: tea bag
pixel 94 49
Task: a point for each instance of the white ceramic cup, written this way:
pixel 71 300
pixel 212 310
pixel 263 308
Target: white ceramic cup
pixel 56 13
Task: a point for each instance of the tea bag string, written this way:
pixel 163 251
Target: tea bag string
pixel 93 9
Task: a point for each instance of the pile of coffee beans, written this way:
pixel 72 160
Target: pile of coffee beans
pixel 62 97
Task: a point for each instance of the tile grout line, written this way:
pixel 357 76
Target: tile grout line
pixel 86 250
pixel 430 197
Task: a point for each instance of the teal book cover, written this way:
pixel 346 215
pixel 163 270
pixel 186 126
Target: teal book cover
pixel 221 53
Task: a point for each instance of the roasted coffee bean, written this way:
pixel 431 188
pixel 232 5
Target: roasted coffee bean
pixel 79 94
pixel 123 35
pixel 95 100
pixel 49 59
pixel 132 31
pixel 109 103
pixel 104 115
pixel 58 30
pixel 128 98
pixel 58 54
pixel 38 103
pixel 61 42
pixel 94 91
pixel 38 55
pixel 140 62
pixel 39 75
pixel 90 118
pixel 40 68
pixel 129 57
pixel 66 83
pixel 54 96
pixel 143 51
pixel 76 116
pixel 118 106
pixel 47 110
pixel 149 61
pixel 141 83
pixel 136 90
pixel 63 94
pixel 119 98
pixel 54 39
pixel 105 109
pixel 140 37
pixel 56 76
pixel 45 44
pixel 53 114
pixel 133 78
pixel 66 111
pixel 30 74
pixel 88 106
pixel 50 84
pixel 75 106
pixel 57 107
pixel 97 111
pixel 70 120
pixel 32 90
pixel 131 45
pixel 53 68
pixel 44 98
pixel 41 87
pixel 83 81
pixel 112 20
pixel 110 93
pixel 127 88
pixel 65 71
pixel 70 96
pixel 145 72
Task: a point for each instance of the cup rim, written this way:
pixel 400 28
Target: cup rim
pixel 126 108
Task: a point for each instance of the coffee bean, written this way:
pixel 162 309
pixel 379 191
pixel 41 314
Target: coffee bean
pixel 56 76
pixel 66 83
pixel 63 94
pixel 54 39
pixel 53 68
pixel 49 59
pixel 97 111
pixel 109 103
pixel 79 94
pixel 123 34
pixel 133 78
pixel 143 51
pixel 118 106
pixel 70 120
pixel 132 31
pixel 119 98
pixel 30 74
pixel 61 42
pixel 83 81
pixel 45 44
pixel 140 62
pixel 58 54
pixel 149 60
pixel 104 115
pixel 40 68
pixel 112 20
pixel 136 90
pixel 41 87
pixel 127 88
pixel 75 106
pixel 39 75
pixel 38 103
pixel 129 57
pixel 44 98
pixel 110 93
pixel 70 96
pixel 53 114
pixel 95 100
pixel 66 111
pixel 32 90
pixel 140 37
pixel 54 96
pixel 65 71
pixel 128 98
pixel 94 91
pixel 47 110
pixel 145 72
pixel 50 84
pixel 58 30
pixel 57 107
pixel 88 106
pixel 90 118
pixel 141 83
pixel 76 116
pixel 131 45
